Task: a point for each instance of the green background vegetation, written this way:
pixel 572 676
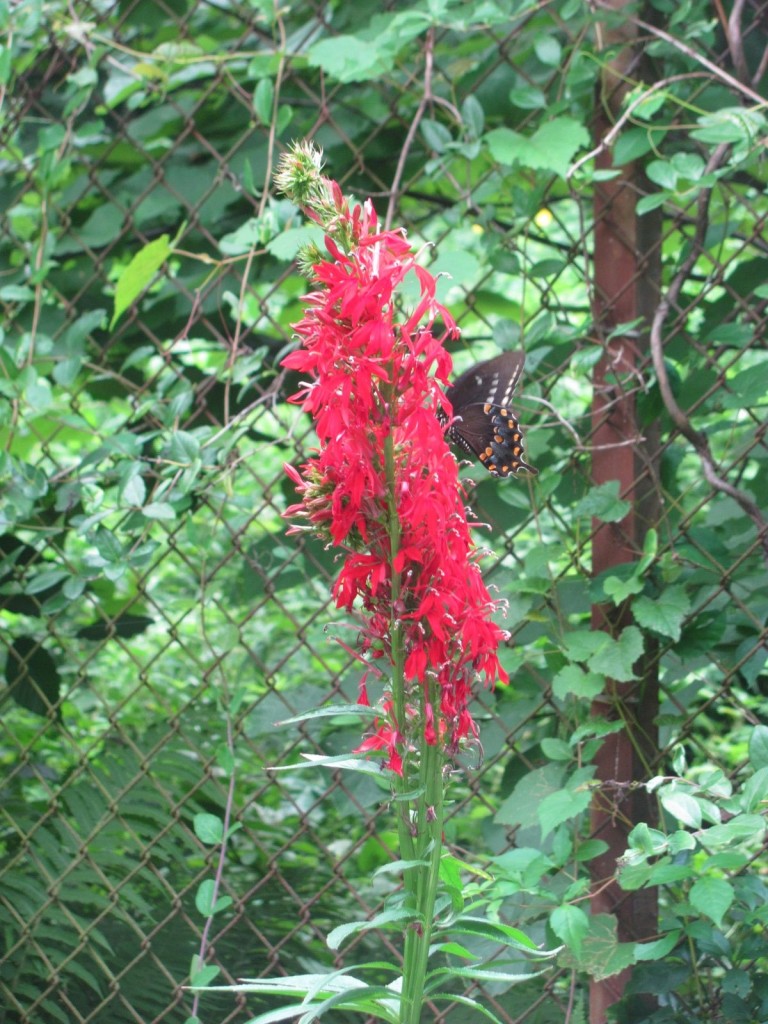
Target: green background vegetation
pixel 156 622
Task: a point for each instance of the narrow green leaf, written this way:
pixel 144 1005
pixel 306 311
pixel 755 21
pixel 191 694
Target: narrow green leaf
pixel 263 99
pixel 139 273
pixel 657 949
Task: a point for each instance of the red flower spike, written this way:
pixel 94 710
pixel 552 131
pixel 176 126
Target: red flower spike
pixel 373 382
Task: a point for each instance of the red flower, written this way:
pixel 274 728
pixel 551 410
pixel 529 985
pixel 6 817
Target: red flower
pixel 373 387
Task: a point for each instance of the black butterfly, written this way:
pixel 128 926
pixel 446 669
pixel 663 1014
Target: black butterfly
pixel 484 425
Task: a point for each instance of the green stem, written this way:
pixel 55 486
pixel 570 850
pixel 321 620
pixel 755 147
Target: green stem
pixel 419 814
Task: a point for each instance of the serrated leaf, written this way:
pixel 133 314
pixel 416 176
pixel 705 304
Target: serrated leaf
pixel 570 924
pixel 561 806
pixel 139 273
pixel 576 680
pixel 602 955
pixel 665 613
pixel 551 147
pixel 617 657
pixel 603 503
pixel 712 897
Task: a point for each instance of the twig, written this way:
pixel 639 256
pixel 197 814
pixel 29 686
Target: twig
pixel 682 422
pixel 425 98
pixel 610 137
pixel 734 83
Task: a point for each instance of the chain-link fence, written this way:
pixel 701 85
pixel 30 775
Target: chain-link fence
pixel 589 182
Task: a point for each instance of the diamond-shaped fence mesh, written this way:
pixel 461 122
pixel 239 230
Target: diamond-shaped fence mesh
pixel 156 620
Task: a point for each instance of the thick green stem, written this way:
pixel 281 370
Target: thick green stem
pixel 419 813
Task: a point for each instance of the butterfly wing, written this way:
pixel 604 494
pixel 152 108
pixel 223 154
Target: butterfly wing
pixel 484 425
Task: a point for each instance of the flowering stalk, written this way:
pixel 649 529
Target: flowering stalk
pixel 384 487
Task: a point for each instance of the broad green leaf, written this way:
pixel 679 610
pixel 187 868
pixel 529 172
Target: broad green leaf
pixel 556 749
pixel 743 826
pixel 551 147
pixel 682 806
pixel 139 273
pixel 32 676
pixel 712 897
pixel 561 806
pixel 663 614
pixel 570 923
pixel 204 897
pixel 548 49
pixel 158 510
pixel 617 657
pixel 287 244
pixel 576 680
pixel 602 955
pixel 209 828
pixel 603 503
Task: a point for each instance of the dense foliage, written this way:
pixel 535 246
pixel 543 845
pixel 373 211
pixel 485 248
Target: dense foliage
pixel 156 620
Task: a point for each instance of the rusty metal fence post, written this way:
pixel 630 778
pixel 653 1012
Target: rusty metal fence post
pixel 626 276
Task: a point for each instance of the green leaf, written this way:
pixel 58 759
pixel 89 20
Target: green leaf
pixel 665 613
pixel 602 955
pixel 263 100
pixel 139 273
pixel 657 949
pixel 551 147
pixel 603 502
pixel 570 924
pixel 616 658
pixel 561 806
pixel 32 676
pixel 754 796
pixel 712 897
pixel 286 245
pixel 758 746
pixel 204 897
pixel 209 828
pixel 204 977
pixel 576 680
pixel 682 806
pixel 548 49
pixel 556 749
pixel 386 917
pixel 159 510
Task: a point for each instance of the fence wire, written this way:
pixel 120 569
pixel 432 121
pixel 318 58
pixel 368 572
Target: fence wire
pixel 156 620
